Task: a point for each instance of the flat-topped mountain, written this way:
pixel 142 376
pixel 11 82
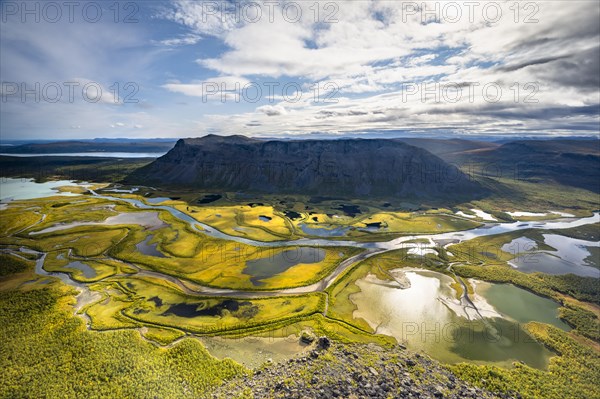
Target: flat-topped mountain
pixel 344 167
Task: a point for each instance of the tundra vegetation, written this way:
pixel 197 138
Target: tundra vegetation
pixel 143 312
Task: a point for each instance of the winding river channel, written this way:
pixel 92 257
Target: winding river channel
pixel 371 248
pixel 393 320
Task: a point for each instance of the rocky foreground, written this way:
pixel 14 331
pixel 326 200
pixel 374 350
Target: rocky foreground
pixel 333 370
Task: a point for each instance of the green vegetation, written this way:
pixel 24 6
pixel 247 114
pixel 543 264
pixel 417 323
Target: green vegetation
pixel 46 352
pixel 573 374
pixel 145 309
pixel 188 255
pixel 488 249
pixel 10 264
pixel 588 232
pixel 560 288
pixel 516 194
pixel 582 288
pixel 586 322
pixel 70 168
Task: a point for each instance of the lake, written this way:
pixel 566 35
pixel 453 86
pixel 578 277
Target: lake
pixel 21 189
pixel 424 317
pixel 88 271
pixel 269 266
pixel 149 249
pixel 571 256
pixel 322 231
pixel 427 316
pixel 521 305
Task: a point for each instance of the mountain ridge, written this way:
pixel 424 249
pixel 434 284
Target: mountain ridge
pixel 350 167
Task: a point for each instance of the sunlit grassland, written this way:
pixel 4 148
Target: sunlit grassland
pixel 46 352
pixel 243 221
pixel 279 316
pixel 61 359
pixel 239 219
pixel 75 209
pixel 103 268
pixel 312 272
pixel 106 314
pixel 420 223
pixel 76 189
pixel 83 241
pixel 189 254
pixel 161 335
pixel 321 325
pixel 18 217
pixel 392 224
pixel 219 263
pixel 148 301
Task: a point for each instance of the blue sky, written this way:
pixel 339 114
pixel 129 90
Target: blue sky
pixel 188 68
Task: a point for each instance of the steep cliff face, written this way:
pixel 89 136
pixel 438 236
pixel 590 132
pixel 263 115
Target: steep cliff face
pixel 347 167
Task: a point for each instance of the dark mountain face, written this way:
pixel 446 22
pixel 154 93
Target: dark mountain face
pixel 570 162
pixel 349 167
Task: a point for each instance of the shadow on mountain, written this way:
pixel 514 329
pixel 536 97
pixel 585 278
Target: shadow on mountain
pixel 350 168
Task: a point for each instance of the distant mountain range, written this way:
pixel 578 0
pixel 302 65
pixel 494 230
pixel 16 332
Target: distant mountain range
pixel 351 167
pixel 107 145
pixel 570 162
pixel 344 167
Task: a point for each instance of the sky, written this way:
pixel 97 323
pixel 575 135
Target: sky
pixel 298 68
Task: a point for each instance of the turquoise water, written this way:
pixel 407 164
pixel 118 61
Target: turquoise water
pixel 22 189
pixel 523 306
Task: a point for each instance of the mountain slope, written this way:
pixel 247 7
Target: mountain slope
pixel 574 163
pixel 445 148
pixel 345 167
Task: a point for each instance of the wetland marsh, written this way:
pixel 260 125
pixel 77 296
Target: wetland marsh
pixel 197 277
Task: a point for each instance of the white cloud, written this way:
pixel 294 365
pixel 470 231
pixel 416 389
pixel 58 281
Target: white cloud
pixel 376 49
pixel 220 88
pixel 202 16
pixel 372 52
pixel 272 110
pixel 185 40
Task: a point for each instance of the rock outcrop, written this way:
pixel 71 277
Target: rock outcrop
pixel 354 371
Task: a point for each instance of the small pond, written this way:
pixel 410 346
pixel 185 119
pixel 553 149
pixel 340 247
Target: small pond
pixel 323 232
pixel 279 262
pixel 149 249
pixel 87 270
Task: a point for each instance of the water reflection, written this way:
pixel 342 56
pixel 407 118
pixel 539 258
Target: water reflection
pixel 421 318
